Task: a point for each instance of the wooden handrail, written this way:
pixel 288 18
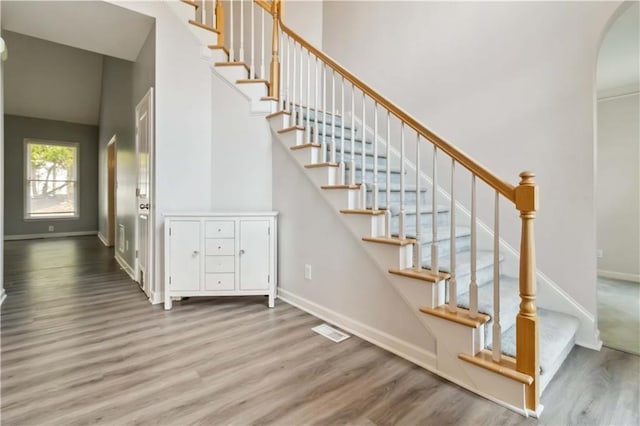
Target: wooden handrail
pixel 505 188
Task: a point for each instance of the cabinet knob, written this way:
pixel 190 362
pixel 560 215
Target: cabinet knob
pixel 219 247
pixel 241 251
pixel 195 252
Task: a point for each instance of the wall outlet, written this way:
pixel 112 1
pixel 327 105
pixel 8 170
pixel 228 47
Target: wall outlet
pixel 51 228
pixel 599 253
pixel 307 272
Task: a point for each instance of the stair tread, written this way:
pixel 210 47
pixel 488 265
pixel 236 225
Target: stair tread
pixel 556 331
pixel 463 262
pixel 444 232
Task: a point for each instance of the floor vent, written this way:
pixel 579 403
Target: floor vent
pixel 331 333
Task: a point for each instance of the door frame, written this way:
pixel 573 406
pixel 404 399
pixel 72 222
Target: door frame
pixel 149 286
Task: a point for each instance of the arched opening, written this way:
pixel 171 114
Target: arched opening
pixel 617 192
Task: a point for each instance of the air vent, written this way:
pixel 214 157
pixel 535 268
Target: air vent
pixel 331 333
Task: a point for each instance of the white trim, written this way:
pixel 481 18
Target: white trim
pixel 113 142
pixel 48 235
pixel 125 266
pixel 406 350
pixel 622 95
pixel 403 349
pixel 103 239
pixel 4 52
pixel 619 275
pixel 3 295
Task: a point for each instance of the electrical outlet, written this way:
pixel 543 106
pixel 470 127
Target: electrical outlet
pixel 51 228
pixel 307 272
pixel 599 253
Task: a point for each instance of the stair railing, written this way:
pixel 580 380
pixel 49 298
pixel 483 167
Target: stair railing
pixel 331 114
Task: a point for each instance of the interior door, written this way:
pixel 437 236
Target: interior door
pixel 144 155
pixel 254 254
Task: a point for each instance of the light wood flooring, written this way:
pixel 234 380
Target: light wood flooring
pixel 81 345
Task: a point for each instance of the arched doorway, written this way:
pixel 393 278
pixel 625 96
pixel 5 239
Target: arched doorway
pixel 617 195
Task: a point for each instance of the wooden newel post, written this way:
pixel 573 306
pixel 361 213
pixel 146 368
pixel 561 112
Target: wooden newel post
pixel 220 22
pixel 527 351
pixel 274 85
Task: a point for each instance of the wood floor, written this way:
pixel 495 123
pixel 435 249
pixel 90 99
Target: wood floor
pixel 81 345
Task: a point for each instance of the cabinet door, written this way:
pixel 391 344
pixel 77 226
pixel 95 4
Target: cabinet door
pixel 184 256
pixel 254 254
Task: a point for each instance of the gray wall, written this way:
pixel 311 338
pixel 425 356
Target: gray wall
pixel 51 81
pixel 16 129
pixel 123 85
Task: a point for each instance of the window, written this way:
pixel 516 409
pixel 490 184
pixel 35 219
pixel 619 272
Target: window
pixel 51 181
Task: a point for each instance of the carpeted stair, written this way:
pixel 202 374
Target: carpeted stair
pixel 557 331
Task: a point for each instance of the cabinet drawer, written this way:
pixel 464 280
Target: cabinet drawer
pixel 219 264
pixel 219 282
pixel 219 229
pixel 219 246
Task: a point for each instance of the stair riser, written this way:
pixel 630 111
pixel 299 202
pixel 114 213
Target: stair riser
pixel 483 276
pixel 427 219
pixel 409 197
pixel 322 118
pixel 382 177
pixel 232 73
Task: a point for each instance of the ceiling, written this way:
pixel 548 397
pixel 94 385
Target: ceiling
pixel 619 60
pixel 96 26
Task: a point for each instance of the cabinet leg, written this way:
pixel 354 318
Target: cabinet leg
pixel 272 300
pixel 168 303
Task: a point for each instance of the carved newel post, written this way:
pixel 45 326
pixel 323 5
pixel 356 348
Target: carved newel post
pixel 527 351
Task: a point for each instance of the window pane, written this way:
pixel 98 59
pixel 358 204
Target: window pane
pixel 51 180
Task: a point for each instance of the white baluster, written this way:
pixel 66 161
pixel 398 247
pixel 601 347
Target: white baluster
pixel 352 158
pixel 387 212
pixel 281 100
pixel 252 69
pixel 374 193
pixel 497 329
pixel 453 288
pixel 294 111
pixel 232 55
pixel 363 157
pixel 324 110
pixel 473 285
pixel 434 213
pixel 342 168
pixel 333 116
pixel 241 51
pixel 289 101
pixel 417 262
pixel 262 67
pixel 301 88
pixel 308 128
pixel 204 12
pixel 402 217
pixel 317 102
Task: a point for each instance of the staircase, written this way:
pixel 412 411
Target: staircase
pixel 393 183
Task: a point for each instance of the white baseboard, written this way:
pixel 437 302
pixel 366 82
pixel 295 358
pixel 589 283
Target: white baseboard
pixel 3 295
pixel 103 239
pixel 48 235
pixel 403 349
pixel 124 265
pixel 619 276
pixel 155 298
pixel 406 350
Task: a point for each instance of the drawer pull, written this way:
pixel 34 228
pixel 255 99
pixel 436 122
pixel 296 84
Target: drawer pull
pixel 219 230
pixel 219 282
pixel 241 251
pixel 219 247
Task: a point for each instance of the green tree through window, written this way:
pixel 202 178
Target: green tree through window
pixel 51 179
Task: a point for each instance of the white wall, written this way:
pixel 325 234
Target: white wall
pixel 51 81
pixel 305 18
pixel 240 152
pixel 511 84
pixel 183 121
pixel 346 285
pixel 618 189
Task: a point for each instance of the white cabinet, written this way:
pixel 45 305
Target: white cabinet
pixel 220 254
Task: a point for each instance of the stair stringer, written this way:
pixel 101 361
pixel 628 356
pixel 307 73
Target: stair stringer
pixel 450 338
pixel 549 294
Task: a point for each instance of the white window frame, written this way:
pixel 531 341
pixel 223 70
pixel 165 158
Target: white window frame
pixel 26 163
